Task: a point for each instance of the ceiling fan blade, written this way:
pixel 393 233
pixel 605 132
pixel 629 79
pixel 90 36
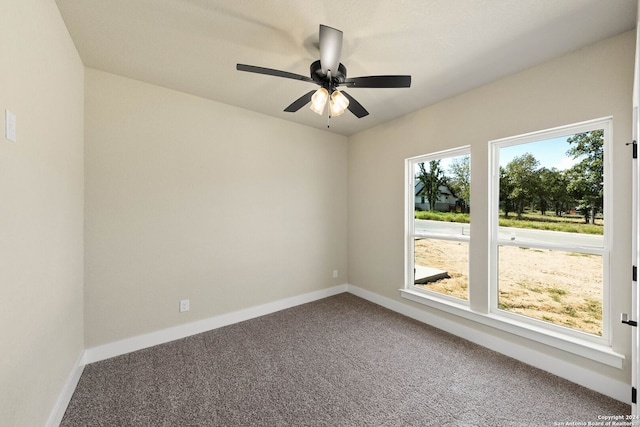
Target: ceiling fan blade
pixel 330 49
pixel 300 102
pixel 378 81
pixel 272 72
pixel 354 106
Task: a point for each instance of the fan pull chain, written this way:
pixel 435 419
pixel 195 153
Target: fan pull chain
pixel 329 100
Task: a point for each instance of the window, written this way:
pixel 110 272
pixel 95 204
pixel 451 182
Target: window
pixel 547 243
pixel 549 249
pixel 438 219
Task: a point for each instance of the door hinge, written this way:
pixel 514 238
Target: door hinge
pixel 635 148
pixel 634 395
pixel 634 273
pixel 624 318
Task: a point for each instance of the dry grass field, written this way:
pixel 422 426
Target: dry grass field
pixel 559 287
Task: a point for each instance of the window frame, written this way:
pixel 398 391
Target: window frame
pixel 477 310
pixel 410 233
pixel 495 242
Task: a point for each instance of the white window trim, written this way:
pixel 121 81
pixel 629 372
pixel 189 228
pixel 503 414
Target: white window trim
pixel 585 348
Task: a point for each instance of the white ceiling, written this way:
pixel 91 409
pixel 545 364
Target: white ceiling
pixel 447 46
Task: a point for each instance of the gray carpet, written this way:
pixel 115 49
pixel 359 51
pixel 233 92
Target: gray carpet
pixel 340 361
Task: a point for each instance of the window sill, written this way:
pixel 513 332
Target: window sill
pixel 598 352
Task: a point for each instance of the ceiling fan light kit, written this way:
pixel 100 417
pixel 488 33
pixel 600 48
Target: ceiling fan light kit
pixel 329 74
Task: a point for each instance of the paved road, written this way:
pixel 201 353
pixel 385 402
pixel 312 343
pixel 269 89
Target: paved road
pixel 516 234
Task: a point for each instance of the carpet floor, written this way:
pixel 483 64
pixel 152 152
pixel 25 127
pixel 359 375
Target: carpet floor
pixel 340 361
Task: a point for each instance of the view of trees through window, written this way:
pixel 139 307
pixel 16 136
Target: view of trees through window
pixel 550 242
pixel 548 256
pixel 574 185
pixel 441 227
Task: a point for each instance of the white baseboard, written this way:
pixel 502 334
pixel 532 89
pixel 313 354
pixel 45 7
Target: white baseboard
pixel 569 371
pixel 67 392
pixel 139 342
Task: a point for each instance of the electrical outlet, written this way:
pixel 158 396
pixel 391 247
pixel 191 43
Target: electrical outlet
pixel 10 126
pixel 335 274
pixel 184 305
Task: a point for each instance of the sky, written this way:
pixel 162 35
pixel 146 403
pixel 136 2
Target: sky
pixel 446 163
pixel 551 153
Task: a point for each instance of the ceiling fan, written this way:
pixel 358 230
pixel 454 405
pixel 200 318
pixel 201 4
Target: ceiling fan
pixel 329 74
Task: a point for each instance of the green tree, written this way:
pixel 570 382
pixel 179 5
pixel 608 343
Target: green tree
pixel 543 201
pixel 523 180
pixel 505 192
pixel 586 177
pixel 431 181
pixel 553 192
pixel 459 180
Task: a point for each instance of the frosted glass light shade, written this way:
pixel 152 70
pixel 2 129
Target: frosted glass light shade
pixel 338 103
pixel 318 100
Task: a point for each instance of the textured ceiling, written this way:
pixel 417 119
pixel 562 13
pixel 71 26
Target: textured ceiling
pixel 447 46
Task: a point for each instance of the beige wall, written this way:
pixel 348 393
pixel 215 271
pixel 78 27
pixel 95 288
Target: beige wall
pixel 189 198
pixel 41 210
pixel 593 82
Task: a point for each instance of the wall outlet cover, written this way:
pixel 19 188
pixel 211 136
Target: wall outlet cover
pixel 10 125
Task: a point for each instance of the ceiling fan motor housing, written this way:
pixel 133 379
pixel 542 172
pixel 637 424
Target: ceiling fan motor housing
pixel 337 78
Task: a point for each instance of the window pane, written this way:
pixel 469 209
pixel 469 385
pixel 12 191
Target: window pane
pixel 442 266
pixel 552 187
pixel 564 288
pixel 551 203
pixel 441 196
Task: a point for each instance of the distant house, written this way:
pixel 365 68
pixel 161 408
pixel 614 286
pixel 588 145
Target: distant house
pixel 447 201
